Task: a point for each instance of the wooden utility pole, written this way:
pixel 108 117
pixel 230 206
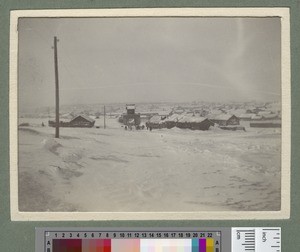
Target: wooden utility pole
pixel 104 118
pixel 56 90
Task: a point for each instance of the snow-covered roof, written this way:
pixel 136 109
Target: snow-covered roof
pixel 84 117
pixel 247 116
pixel 215 111
pixel 158 112
pixel 237 112
pixel 222 117
pixel 66 115
pixel 196 119
pixel 164 112
pixel 179 111
pixel 269 116
pixel 155 119
pixel 265 112
pixel 256 117
pixel 130 106
pixel 174 118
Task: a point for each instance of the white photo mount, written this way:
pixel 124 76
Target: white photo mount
pixel 284 213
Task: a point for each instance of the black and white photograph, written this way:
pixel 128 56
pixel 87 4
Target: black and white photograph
pixel 151 114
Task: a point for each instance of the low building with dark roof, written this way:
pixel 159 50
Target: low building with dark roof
pixel 266 124
pixel 156 122
pixel 224 119
pixel 172 120
pixel 194 123
pixel 80 121
pixel 181 121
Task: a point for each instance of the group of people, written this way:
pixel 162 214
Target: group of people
pixel 138 127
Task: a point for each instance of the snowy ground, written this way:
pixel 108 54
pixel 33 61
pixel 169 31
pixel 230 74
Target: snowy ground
pixel 163 170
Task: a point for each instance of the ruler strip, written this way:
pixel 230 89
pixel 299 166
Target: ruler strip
pixel 256 239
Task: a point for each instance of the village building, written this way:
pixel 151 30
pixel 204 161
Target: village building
pixel 185 121
pixel 200 112
pixel 172 120
pixel 266 124
pixel 178 111
pixel 262 115
pixel 264 112
pixel 194 123
pixel 164 114
pixel 256 117
pixel 155 122
pixel 130 118
pixel 237 112
pixel 224 119
pixel 130 108
pixel 215 112
pixel 270 116
pixel 246 117
pixel 80 121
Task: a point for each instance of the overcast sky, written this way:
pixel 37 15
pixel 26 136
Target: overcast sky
pixel 107 60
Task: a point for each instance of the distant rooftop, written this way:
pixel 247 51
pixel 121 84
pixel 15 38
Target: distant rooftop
pixel 130 106
pixel 221 117
pixel 85 117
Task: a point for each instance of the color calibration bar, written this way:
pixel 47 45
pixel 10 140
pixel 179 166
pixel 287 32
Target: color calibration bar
pixel 181 239
pixel 84 239
pixel 134 245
